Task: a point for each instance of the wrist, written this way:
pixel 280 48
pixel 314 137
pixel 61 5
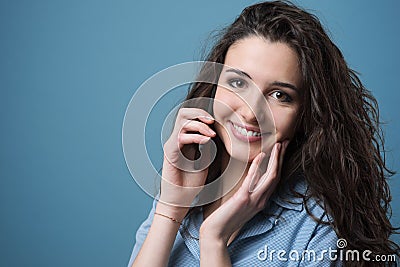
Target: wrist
pixel 211 238
pixel 173 212
pixel 210 243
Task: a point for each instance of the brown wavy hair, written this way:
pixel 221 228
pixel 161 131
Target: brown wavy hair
pixel 339 145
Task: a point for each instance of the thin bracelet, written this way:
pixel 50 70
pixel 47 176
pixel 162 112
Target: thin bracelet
pixel 172 219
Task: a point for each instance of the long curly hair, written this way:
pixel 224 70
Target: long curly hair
pixel 339 145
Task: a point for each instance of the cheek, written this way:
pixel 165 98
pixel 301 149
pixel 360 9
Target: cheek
pixel 225 103
pixel 285 123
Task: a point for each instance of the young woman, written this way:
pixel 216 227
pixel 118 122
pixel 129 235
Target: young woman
pixel 323 198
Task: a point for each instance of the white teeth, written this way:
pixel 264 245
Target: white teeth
pixel 244 132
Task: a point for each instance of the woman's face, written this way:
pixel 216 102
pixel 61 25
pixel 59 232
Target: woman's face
pixel 257 72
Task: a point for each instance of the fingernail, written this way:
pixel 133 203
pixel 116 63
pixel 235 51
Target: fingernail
pixel 278 146
pixel 209 118
pixel 285 144
pixel 205 140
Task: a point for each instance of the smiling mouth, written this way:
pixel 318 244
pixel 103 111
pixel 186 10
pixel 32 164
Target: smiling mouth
pixel 244 134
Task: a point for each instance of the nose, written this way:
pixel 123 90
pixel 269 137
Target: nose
pixel 253 110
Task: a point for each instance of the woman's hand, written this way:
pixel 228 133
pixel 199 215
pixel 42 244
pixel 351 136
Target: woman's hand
pixel 179 184
pixel 250 198
pixel 181 181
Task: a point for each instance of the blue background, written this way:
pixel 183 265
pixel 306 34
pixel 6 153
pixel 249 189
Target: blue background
pixel 67 72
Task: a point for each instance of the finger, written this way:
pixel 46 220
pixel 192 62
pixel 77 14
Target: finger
pixel 206 119
pixel 205 156
pixel 265 171
pixel 196 126
pixel 253 171
pixel 272 171
pixel 185 139
pixel 196 113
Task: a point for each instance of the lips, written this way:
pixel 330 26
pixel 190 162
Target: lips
pixel 245 133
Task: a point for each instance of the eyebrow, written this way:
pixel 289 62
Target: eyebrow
pixel 287 85
pixel 239 72
pixel 276 83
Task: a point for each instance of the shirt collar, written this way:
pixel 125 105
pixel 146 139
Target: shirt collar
pixel 257 225
pixel 286 199
pixel 264 221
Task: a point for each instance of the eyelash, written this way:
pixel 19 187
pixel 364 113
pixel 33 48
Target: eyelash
pixel 235 80
pixel 287 97
pixel 233 83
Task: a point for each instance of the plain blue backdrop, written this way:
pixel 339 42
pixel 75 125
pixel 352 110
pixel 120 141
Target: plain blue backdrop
pixel 67 72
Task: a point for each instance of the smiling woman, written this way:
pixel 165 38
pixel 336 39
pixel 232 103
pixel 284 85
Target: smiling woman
pixel 257 64
pixel 297 129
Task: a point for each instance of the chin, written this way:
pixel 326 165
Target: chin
pixel 242 156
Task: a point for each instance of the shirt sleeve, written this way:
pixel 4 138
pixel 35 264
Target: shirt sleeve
pixel 142 233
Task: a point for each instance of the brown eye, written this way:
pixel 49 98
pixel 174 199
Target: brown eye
pixel 237 83
pixel 281 96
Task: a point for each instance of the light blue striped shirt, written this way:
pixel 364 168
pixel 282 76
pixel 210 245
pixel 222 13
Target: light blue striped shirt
pixel 283 234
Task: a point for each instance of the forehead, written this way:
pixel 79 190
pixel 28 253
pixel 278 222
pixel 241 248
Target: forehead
pixel 264 61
